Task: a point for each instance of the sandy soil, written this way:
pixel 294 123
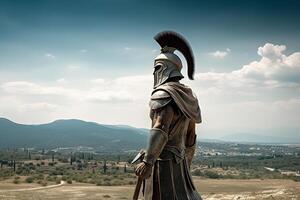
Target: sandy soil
pixel 209 189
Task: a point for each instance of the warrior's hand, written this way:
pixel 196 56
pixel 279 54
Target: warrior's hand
pixel 143 170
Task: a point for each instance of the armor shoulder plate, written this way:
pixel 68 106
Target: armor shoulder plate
pixel 159 99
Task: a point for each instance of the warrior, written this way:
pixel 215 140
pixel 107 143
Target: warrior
pixel 174 112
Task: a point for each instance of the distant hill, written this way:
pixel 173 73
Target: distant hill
pixel 268 136
pixel 107 138
pixel 287 137
pixel 70 133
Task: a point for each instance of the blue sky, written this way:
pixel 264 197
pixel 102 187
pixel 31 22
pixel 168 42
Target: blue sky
pixel 54 51
pixel 29 28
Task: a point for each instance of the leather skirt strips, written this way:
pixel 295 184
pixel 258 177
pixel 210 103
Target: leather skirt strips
pixel 170 180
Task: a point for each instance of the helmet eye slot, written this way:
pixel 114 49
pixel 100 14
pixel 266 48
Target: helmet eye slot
pixel 157 68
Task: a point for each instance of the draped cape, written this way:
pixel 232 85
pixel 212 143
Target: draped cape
pixel 184 98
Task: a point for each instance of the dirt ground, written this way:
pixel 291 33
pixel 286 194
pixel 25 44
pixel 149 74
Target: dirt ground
pixel 210 189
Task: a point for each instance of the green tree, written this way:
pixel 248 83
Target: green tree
pixel 14 164
pixel 104 167
pixel 53 156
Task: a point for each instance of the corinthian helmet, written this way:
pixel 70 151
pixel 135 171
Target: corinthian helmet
pixel 167 64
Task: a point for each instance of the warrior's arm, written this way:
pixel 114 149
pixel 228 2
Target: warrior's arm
pixel 159 133
pixel 161 114
pixel 190 142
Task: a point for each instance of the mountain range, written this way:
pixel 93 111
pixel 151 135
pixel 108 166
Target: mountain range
pixel 74 132
pixel 70 133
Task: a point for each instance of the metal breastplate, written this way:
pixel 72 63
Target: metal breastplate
pixel 176 142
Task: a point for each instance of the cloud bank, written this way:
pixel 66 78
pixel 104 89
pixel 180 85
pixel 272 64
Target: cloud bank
pixel 262 94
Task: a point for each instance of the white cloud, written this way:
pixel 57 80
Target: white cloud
pixel 263 94
pixel 273 65
pixel 50 56
pixel 220 54
pixel 38 107
pixel 122 100
pixel 274 68
pixel 62 81
pixel 119 89
pixel 98 81
pixel 127 88
pixel 83 50
pixel 271 51
pixel 127 48
pixel 109 96
pixel 29 88
pixel 268 114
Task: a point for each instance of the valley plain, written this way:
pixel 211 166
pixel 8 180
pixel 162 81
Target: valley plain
pixel 210 189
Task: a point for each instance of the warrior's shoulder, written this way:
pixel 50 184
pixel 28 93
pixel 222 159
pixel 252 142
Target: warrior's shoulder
pixel 160 94
pixel 159 99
